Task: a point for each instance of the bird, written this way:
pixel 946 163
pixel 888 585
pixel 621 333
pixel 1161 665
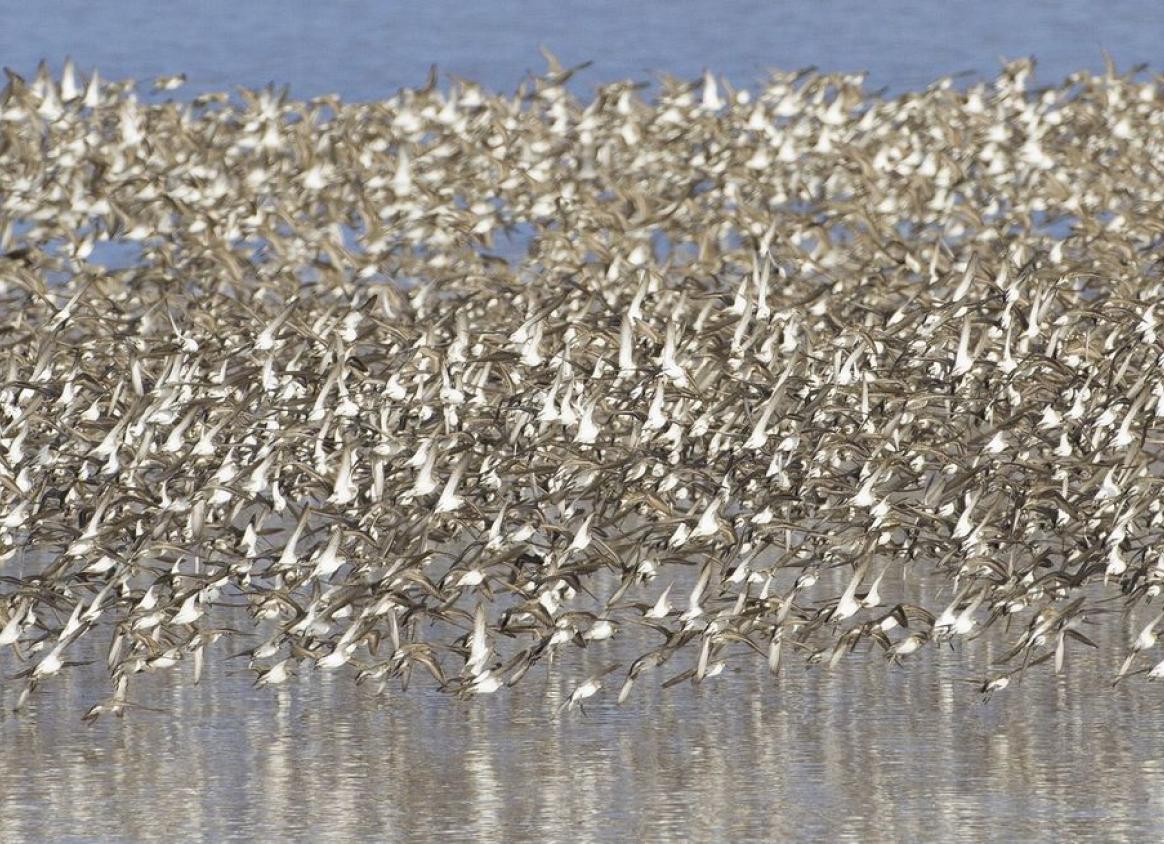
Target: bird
pixel 478 383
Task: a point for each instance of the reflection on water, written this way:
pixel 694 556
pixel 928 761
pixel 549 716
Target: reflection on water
pixel 864 752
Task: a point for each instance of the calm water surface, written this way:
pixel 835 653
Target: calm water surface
pixel 865 752
pixel 366 49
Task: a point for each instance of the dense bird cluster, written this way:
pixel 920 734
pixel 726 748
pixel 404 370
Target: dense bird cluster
pixel 458 381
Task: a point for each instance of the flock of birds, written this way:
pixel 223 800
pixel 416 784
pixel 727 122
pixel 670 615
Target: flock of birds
pixel 458 382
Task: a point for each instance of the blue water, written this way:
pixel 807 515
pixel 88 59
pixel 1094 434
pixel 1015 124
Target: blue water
pixel 364 49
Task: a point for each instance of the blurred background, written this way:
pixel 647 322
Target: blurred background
pixel 364 49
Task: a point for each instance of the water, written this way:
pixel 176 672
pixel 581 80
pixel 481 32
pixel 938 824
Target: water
pixel 864 752
pixel 365 49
